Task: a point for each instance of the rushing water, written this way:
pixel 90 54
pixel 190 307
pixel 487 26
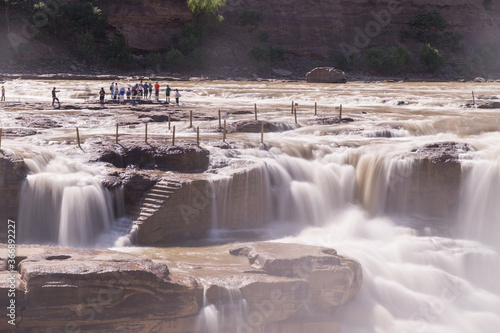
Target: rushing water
pixel 345 186
pixel 63 202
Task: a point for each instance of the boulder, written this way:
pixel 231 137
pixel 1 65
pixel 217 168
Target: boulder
pixel 64 290
pixel 182 159
pixel 441 151
pixel 135 184
pixel 326 75
pixel 255 126
pixel 334 279
pixel 428 185
pixel 489 105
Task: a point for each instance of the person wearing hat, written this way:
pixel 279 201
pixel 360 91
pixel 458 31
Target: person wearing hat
pixel 3 93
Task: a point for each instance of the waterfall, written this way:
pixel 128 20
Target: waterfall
pixel 224 314
pixel 63 203
pixel 479 208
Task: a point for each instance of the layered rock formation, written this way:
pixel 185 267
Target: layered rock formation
pixel 431 186
pixel 237 201
pixel 148 25
pixel 12 174
pixel 303 28
pixel 70 290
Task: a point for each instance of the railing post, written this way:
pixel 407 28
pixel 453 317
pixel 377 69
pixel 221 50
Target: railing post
pixel 116 139
pixel 146 134
pixel 224 132
pixel 340 113
pixel 315 108
pixel 191 119
pixel 262 132
pixel 255 108
pixel 173 136
pixel 198 136
pixel 220 124
pixel 78 138
pixel 169 121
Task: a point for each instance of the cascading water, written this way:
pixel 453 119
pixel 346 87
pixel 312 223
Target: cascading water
pixel 64 203
pixel 479 212
pixel 413 282
pixel 226 314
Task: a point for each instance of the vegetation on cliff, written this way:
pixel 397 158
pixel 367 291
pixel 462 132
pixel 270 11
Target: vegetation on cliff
pixel 424 42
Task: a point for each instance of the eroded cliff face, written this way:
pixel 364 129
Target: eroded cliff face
pixel 148 25
pixel 305 29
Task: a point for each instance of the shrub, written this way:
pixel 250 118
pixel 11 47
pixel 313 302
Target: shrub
pixel 377 60
pixel 343 62
pixel 400 58
pixel 118 53
pixel 86 46
pixel 153 61
pixel 175 57
pixel 431 58
pixel 250 17
pixel 82 16
pixel 263 36
pixel 188 43
pixel 277 54
pixel 196 59
pixel 432 20
pixel 259 53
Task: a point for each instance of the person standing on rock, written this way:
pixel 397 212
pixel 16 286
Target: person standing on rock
pixel 167 92
pixel 112 88
pixel 140 87
pixel 134 95
pixel 102 95
pixel 177 96
pixel 54 97
pixel 157 91
pixel 150 90
pixel 3 94
pixel 122 95
pixel 129 93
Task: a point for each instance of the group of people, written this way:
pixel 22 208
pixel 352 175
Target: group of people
pixel 139 91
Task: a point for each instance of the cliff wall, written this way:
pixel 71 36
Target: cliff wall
pixel 305 29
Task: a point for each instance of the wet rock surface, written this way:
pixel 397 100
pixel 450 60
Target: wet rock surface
pixel 102 290
pixel 91 290
pixel 255 126
pixel 187 158
pixel 334 280
pixel 329 121
pixel 13 172
pixel 441 151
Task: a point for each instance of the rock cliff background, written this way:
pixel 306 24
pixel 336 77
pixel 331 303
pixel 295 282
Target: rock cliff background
pixel 305 33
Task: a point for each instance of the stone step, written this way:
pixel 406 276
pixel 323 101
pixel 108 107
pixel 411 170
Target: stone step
pixel 148 210
pixel 151 205
pixel 156 196
pixel 154 201
pixel 160 191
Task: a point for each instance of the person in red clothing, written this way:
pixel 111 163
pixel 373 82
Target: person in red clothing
pixel 157 91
